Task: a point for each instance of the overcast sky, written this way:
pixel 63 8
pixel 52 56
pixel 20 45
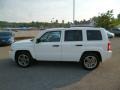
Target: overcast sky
pixel 46 10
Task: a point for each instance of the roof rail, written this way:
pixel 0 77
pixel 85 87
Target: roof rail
pixel 81 26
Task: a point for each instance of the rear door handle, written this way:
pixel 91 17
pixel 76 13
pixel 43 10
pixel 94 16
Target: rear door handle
pixel 55 45
pixel 78 45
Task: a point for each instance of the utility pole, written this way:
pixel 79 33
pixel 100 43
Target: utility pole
pixel 73 11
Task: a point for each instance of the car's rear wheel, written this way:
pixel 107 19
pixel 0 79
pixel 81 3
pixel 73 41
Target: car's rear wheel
pixel 90 61
pixel 23 59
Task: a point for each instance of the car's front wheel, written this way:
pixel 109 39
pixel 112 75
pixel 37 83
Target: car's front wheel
pixel 23 59
pixel 90 61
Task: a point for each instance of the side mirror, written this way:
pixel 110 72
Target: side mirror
pixel 38 40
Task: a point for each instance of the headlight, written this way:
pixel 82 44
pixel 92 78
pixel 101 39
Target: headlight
pixel 10 39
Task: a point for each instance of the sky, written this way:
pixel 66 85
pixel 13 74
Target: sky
pixel 47 10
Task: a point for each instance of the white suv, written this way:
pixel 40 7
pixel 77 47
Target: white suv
pixel 87 45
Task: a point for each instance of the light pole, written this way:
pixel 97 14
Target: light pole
pixel 73 11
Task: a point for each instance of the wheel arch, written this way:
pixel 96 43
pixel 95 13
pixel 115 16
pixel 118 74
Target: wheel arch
pixel 94 52
pixel 19 51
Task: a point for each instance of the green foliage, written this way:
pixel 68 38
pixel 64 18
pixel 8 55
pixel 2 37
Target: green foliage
pixel 33 24
pixel 105 20
pixel 118 16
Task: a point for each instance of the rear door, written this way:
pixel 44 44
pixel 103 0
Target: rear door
pixel 72 45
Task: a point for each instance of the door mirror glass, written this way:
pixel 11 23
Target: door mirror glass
pixel 38 40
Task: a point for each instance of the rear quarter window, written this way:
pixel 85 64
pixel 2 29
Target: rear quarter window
pixel 93 35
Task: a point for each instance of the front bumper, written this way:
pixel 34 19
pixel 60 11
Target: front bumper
pixel 12 55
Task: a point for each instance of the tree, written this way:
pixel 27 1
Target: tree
pixel 63 21
pixel 105 20
pixel 118 16
pixel 56 21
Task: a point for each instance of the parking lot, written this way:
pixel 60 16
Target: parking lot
pixel 60 75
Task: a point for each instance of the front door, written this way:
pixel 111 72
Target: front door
pixel 48 46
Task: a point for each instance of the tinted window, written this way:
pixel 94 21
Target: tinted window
pixel 94 35
pixel 116 29
pixel 73 35
pixel 5 34
pixel 53 36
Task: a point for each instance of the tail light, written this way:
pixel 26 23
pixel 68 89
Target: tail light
pixel 109 46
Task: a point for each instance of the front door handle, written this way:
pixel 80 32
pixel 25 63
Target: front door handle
pixel 78 45
pixel 55 45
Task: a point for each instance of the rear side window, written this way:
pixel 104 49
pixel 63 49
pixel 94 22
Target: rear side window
pixel 73 35
pixel 94 35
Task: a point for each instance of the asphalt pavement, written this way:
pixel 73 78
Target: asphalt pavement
pixel 60 75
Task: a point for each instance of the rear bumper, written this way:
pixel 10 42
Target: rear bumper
pixel 107 55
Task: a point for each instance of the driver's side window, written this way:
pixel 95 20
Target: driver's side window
pixel 52 36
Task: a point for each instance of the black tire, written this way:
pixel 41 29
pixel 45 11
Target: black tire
pixel 90 61
pixel 23 59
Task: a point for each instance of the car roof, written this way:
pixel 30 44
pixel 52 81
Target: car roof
pixel 74 28
pixel 87 28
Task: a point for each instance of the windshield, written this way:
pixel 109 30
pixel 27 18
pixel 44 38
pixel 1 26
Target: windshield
pixel 2 34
